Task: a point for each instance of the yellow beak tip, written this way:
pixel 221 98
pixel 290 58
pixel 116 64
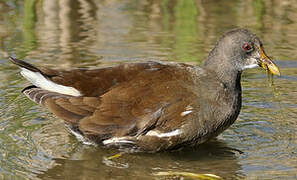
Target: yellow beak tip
pixel 268 64
pixel 272 68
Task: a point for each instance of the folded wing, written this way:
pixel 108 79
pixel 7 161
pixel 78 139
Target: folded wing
pixel 125 100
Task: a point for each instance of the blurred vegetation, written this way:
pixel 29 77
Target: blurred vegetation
pixel 185 30
pixel 30 19
pixel 189 28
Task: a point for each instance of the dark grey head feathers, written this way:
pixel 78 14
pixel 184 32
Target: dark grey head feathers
pixel 235 51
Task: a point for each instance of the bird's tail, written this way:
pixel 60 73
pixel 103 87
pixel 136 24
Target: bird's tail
pixel 41 80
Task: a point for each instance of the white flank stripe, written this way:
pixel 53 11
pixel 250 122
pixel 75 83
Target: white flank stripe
pixel 161 135
pixel 79 137
pixel 185 112
pixel 117 140
pixel 40 81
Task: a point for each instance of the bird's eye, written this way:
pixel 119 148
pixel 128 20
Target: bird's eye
pixel 247 47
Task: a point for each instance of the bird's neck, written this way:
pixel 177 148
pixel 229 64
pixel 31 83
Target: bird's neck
pixel 223 70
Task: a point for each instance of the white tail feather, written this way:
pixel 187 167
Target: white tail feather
pixel 39 80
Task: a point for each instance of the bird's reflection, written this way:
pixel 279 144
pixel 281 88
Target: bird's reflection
pixel 213 157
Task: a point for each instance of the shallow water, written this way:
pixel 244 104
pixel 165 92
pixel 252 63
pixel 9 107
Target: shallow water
pixel 90 33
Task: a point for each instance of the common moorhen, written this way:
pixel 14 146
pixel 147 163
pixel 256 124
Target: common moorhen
pixel 151 106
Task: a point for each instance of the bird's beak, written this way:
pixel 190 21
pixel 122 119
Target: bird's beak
pixel 267 64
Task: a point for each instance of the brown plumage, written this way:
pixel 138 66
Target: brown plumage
pixel 146 106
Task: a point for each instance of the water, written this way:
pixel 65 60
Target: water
pixel 90 33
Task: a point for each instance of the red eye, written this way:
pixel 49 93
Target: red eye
pixel 247 47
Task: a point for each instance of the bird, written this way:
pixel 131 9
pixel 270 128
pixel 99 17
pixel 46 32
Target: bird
pixel 151 106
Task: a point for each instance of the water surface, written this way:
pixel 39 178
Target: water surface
pixel 92 33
